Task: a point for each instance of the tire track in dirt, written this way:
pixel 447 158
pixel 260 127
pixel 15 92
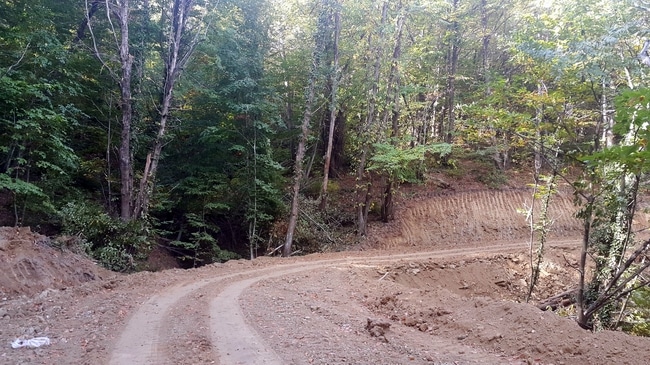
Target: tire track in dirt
pixel 234 341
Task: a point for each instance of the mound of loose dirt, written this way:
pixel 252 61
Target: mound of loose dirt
pixel 31 265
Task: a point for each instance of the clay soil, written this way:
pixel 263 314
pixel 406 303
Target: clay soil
pixel 442 284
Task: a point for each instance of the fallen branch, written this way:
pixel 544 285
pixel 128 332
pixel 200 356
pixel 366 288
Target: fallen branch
pixel 563 299
pixel 275 250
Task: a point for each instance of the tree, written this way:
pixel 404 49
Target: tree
pixel 454 38
pixel 176 53
pixel 334 75
pixel 176 50
pixel 319 40
pixel 392 110
pixel 220 187
pixel 363 187
pixel 37 116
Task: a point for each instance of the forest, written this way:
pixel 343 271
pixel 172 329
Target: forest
pixel 219 128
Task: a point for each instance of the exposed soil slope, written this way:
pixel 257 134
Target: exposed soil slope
pixel 449 217
pixel 30 264
pixel 444 289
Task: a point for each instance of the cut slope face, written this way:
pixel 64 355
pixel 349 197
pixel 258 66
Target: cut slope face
pixel 30 265
pixel 475 216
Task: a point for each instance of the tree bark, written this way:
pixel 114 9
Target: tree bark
pixel 451 78
pixel 364 189
pixel 333 106
pixel 393 112
pixel 126 164
pixel 176 58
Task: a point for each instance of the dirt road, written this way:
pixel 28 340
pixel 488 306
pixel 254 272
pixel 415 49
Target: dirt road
pixel 234 340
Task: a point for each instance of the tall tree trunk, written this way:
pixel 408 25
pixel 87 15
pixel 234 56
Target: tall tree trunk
pixel 606 116
pixel 485 47
pixel 338 146
pixel 393 112
pixel 333 107
pixel 581 304
pixel 297 173
pixel 611 233
pixel 452 64
pixel 306 121
pixel 126 164
pixel 176 58
pixel 364 188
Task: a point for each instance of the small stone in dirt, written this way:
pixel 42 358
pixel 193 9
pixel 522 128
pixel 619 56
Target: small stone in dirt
pixel 495 337
pixel 410 322
pixel 377 328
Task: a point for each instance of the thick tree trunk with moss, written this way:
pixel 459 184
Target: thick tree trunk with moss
pixel 608 229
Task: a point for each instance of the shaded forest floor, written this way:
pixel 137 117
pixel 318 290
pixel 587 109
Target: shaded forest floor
pixel 442 284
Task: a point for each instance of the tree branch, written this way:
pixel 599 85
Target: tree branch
pixel 94 40
pixel 19 60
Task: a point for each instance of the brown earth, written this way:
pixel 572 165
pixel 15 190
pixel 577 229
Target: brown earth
pixel 443 284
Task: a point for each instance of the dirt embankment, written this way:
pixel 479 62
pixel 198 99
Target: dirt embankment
pixel 31 265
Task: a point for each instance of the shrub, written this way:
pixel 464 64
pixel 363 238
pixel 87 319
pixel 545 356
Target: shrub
pixel 117 245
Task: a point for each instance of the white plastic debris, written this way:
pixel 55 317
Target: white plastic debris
pixel 31 343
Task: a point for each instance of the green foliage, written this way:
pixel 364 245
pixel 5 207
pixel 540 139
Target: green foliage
pixel 636 319
pixel 115 244
pixel 632 129
pixel 402 164
pixel 36 110
pixel 201 246
pixel 221 176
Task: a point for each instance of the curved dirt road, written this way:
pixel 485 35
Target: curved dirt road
pixel 150 335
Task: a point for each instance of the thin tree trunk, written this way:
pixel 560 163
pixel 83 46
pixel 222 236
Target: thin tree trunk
pixel 580 300
pixel 333 107
pixel 302 144
pixel 451 78
pixel 393 112
pixel 175 61
pixel 485 47
pixel 297 174
pixel 364 189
